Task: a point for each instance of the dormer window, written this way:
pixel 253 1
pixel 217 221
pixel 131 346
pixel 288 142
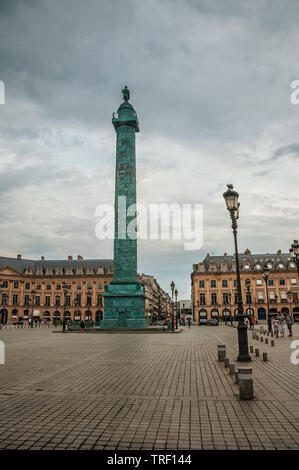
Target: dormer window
pixel 79 270
pixel 39 270
pixel 69 271
pixel 89 270
pixel 59 271
pixel 49 271
pixel 28 270
pixel 224 267
pixel 246 266
pixel 257 266
pixel 269 265
pixel 280 265
pixel 100 270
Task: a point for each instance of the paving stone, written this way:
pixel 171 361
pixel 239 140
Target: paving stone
pixel 127 392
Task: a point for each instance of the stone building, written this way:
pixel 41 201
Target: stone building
pixel 48 289
pixel 157 301
pixel 213 285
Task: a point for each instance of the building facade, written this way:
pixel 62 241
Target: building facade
pixel 157 301
pixel 213 286
pixel 48 290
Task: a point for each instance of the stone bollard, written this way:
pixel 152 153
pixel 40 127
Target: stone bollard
pixel 272 334
pixel 262 339
pixel 272 342
pixel 257 337
pixel 221 348
pixel 236 377
pixel 231 368
pixel 266 341
pixel 245 383
pixel 257 352
pixel 226 362
pixel 251 349
pixel 265 357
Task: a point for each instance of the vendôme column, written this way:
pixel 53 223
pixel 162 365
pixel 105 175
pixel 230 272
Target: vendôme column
pixel 124 302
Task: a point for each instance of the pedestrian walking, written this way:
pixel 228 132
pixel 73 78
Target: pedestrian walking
pixel 189 322
pixel 281 320
pixel 289 322
pixel 82 326
pixel 275 326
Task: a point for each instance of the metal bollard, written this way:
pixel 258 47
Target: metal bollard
pixel 266 341
pixel 272 342
pixel 257 337
pixel 257 352
pixel 262 339
pixel 221 348
pixel 226 362
pixel 231 368
pixel 265 357
pixel 245 383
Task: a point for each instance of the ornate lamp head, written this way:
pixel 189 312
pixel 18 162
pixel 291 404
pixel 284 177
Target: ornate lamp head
pixel 231 198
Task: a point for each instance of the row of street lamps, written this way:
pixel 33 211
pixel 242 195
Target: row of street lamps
pixel 174 292
pixel 233 206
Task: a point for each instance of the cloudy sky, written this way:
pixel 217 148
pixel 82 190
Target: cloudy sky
pixel 210 81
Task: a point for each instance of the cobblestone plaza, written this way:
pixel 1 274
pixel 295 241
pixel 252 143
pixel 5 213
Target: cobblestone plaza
pixel 143 391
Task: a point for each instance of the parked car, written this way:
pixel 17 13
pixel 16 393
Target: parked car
pixel 203 321
pixel 20 321
pixel 213 322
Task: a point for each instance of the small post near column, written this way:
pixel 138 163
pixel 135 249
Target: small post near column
pixel 245 383
pixel 221 349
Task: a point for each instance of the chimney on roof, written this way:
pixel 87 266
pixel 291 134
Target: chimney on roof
pixel 247 252
pixel 70 257
pixel 79 257
pixel 19 256
pixel 42 258
pixel 279 252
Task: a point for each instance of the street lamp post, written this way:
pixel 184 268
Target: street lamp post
pixel 231 198
pixel 176 308
pixel 294 250
pixel 248 294
pixel 33 294
pixel 66 288
pixel 2 316
pixel 266 277
pixel 172 286
pixel 230 307
pixel 290 296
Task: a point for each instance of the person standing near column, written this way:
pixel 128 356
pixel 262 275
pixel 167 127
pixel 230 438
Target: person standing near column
pixel 289 322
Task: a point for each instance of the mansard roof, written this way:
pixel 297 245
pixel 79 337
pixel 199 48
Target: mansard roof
pixel 20 265
pixel 251 259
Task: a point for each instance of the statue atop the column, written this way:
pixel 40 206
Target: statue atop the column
pixel 126 93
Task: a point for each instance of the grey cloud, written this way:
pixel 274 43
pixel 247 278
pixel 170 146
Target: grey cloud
pixel 286 150
pixel 210 82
